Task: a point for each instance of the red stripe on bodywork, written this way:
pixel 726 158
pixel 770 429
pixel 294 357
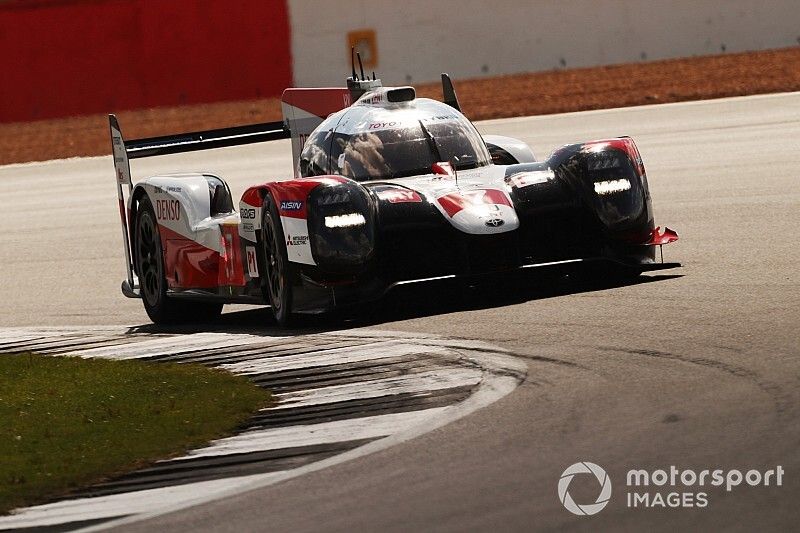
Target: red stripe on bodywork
pixel 287 194
pixel 626 144
pixel 455 202
pixel 398 195
pixel 252 196
pixel 188 264
pixel 443 168
pixel 320 102
pixel 231 267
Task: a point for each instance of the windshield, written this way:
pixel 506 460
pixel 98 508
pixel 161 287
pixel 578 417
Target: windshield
pixel 408 150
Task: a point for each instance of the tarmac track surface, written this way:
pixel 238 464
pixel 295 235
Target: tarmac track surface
pixel 697 368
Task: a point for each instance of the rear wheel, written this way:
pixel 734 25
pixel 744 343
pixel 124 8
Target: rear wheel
pixel 152 282
pixel 280 273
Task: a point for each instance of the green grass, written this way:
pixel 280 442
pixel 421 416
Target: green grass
pixel 66 422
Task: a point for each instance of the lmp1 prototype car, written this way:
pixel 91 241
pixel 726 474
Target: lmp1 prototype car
pixel 389 189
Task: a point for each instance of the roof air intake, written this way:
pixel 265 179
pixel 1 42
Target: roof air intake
pixel 401 94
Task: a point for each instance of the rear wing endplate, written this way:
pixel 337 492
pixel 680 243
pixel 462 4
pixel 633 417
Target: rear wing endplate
pixel 123 151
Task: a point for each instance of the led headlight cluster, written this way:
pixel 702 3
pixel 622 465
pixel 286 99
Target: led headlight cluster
pixel 612 186
pixel 603 161
pixel 341 227
pixel 335 197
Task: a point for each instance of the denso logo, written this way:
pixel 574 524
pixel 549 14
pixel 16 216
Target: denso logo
pixel 287 205
pixel 168 209
pixel 248 212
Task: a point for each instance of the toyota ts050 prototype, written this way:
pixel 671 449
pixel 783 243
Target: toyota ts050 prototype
pixel 388 189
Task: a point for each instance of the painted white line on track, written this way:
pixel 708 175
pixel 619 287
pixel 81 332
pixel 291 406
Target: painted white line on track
pixel 334 356
pixel 129 503
pixel 446 378
pixel 368 427
pixel 172 345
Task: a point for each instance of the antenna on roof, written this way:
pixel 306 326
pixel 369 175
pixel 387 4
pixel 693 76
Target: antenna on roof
pixel 358 55
pixel 358 86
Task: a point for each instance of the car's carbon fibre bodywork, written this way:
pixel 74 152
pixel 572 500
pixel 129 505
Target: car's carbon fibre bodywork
pixel 363 215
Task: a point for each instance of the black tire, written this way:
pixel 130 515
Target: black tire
pixel 280 274
pixel 149 265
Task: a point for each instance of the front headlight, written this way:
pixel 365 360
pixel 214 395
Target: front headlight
pixel 612 186
pixel 345 221
pixel 341 224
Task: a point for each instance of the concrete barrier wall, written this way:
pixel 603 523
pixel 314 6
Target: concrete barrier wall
pixel 66 57
pixel 69 57
pixel 418 39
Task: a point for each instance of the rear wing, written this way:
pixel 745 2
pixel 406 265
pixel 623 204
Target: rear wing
pixel 123 151
pixel 305 109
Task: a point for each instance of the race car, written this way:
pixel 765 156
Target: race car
pixel 388 189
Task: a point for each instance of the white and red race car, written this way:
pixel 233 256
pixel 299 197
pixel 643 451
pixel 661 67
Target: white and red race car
pixel 388 189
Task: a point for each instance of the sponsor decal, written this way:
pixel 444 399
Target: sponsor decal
pixel 296 240
pixel 172 188
pixel 248 213
pixel 437 118
pixel 383 125
pixel 374 99
pixel 291 205
pixel 399 123
pixel 662 488
pixel 168 210
pixel 495 222
pixel 252 263
pixel 248 227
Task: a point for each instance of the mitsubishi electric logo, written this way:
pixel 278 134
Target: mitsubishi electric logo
pixel 589 508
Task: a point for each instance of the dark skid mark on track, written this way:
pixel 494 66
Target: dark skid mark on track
pixel 397 403
pixel 530 357
pixel 779 397
pixel 178 472
pixel 69 526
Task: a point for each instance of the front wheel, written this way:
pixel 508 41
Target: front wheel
pixel 280 272
pixel 153 284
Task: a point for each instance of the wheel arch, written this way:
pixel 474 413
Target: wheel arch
pixel 138 193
